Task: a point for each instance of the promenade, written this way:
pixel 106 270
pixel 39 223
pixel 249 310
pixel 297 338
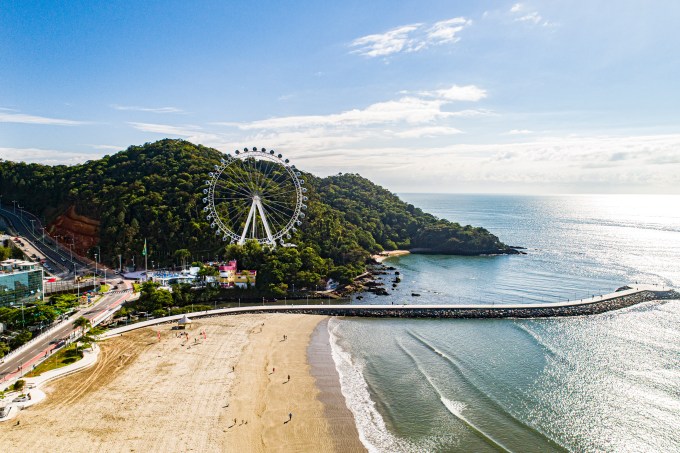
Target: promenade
pixel 597 304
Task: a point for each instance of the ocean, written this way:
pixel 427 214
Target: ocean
pixel 609 382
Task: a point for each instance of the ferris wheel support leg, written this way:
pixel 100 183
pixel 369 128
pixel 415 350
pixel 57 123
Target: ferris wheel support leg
pixel 251 215
pixel 264 221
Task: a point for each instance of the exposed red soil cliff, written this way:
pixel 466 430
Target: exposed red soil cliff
pixel 83 230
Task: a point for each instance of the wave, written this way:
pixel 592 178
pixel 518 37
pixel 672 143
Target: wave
pixel 481 394
pixel 454 407
pixel 373 432
pixel 552 353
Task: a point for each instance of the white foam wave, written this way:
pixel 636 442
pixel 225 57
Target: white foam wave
pixel 455 407
pixel 371 426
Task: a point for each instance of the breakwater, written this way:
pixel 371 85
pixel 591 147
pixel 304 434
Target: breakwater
pixel 591 306
pixel 598 304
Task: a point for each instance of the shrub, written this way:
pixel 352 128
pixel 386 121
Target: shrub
pixel 19 385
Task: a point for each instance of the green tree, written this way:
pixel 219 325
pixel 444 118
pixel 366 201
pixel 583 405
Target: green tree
pixel 82 323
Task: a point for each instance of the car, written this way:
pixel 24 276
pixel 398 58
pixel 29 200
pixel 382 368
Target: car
pixel 21 399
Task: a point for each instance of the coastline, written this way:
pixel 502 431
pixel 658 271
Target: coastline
pixel 382 256
pixel 170 394
pixel 343 427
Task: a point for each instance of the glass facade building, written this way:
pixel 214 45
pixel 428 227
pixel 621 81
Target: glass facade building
pixel 21 287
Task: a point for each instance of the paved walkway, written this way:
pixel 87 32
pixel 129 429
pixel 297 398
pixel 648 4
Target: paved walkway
pixel 33 384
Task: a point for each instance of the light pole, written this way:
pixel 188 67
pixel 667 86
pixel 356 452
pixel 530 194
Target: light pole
pixel 21 211
pixel 32 225
pixel 43 230
pixel 15 206
pixel 95 270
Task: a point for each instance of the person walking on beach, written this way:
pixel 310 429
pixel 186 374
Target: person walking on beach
pixel 290 416
pixel 288 378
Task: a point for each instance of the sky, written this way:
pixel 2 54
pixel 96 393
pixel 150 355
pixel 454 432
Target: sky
pixel 419 96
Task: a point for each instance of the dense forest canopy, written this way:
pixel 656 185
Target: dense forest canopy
pixel 154 192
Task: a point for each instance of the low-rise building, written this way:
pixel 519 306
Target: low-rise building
pixel 245 279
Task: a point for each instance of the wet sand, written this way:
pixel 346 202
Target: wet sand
pixel 174 395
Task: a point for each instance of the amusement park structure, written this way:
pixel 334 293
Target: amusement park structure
pixel 255 194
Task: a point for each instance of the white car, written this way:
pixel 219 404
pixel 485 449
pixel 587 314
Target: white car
pixel 21 399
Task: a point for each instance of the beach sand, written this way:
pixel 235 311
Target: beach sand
pixel 173 395
pixel 389 254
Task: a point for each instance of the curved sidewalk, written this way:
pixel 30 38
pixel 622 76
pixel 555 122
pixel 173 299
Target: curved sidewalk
pixel 33 384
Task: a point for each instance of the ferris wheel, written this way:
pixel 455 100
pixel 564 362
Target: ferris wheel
pixel 255 194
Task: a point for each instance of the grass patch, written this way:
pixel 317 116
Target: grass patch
pixel 104 288
pixel 136 287
pixel 64 357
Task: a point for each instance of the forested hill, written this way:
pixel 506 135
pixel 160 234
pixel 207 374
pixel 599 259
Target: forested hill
pixel 154 192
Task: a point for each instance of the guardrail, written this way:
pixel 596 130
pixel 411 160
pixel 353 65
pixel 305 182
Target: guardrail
pixel 40 336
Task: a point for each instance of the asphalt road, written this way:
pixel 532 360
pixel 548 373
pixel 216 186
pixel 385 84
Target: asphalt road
pixel 10 368
pixel 58 258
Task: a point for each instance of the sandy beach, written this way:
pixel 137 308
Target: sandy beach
pixel 177 395
pixel 389 254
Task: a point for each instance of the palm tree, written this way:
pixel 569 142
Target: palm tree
pixel 83 323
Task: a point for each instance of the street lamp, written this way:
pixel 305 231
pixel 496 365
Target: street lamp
pixel 15 206
pixel 95 270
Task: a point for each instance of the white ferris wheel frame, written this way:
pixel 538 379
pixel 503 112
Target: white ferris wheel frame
pixel 256 207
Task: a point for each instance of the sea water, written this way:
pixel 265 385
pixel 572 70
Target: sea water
pixel 609 382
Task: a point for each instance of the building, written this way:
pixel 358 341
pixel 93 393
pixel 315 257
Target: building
pixel 21 282
pixel 245 279
pixel 227 272
pixel 231 277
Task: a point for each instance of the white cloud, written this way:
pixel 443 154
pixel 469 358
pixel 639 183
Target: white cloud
pixel 431 131
pixel 392 41
pixel 521 14
pixel 520 132
pixel 107 147
pixel 459 93
pixel 192 133
pixel 147 109
pixel 166 129
pixel 410 38
pixel 531 17
pixel 46 156
pixel 33 119
pixel 406 109
pixel 447 30
pixel 421 108
pixel 558 164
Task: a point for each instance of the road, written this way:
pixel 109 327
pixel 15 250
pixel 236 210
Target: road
pixel 24 361
pixel 59 258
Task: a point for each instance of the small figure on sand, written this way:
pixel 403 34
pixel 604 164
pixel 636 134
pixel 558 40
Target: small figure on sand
pixel 290 416
pixel 288 378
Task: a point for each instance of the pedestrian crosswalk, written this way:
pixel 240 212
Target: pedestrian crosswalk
pixel 119 291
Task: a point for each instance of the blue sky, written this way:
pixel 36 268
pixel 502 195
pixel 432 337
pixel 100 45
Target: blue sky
pixel 450 96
